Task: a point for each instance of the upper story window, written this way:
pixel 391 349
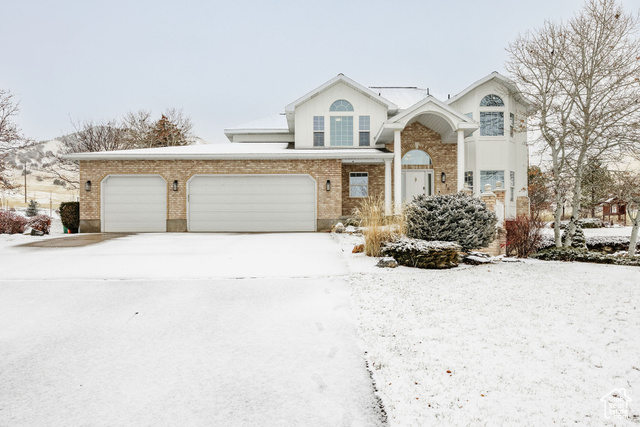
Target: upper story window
pixel 318 131
pixel 341 131
pixel 341 105
pixel 492 101
pixel 492 121
pixel 365 131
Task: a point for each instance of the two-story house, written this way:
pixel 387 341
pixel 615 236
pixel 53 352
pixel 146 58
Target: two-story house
pixel 306 168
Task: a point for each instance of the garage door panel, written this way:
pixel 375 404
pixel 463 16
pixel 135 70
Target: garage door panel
pixel 134 204
pixel 252 203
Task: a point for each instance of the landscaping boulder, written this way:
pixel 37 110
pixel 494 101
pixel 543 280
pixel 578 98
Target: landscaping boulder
pixel 387 262
pixel 338 228
pixel 423 254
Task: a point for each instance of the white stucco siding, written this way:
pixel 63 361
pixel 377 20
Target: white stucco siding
pixel 319 106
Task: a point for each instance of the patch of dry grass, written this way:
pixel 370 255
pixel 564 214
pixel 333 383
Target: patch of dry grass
pixel 377 228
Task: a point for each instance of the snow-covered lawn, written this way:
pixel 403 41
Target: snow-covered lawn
pixel 526 343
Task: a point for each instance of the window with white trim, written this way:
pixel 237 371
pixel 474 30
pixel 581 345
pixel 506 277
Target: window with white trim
pixel 468 179
pixel 358 184
pixel 318 131
pixel 341 131
pixel 341 105
pixel 491 177
pixel 492 118
pixel 364 126
pixel 512 185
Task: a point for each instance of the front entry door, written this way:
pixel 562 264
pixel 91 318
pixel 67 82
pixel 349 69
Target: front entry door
pixel 415 183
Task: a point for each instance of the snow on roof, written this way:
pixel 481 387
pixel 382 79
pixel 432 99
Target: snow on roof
pixel 275 122
pixel 403 97
pixel 237 151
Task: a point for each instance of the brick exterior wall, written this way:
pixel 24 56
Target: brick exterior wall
pixel 443 156
pixel 329 203
pixel 376 185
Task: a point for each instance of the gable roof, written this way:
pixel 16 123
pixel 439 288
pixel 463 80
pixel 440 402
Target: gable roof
pixel 272 124
pixel 341 78
pixel 505 81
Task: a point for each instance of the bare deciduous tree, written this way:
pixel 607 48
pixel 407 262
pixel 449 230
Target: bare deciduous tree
pixel 627 188
pixel 583 78
pixel 10 135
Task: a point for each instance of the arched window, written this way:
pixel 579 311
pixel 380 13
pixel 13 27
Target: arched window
pixel 416 157
pixel 341 105
pixel 491 120
pixel 492 101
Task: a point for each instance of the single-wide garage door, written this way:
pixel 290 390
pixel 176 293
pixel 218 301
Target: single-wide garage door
pixel 134 204
pixel 252 203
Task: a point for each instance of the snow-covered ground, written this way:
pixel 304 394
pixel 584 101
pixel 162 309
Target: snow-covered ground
pixel 525 343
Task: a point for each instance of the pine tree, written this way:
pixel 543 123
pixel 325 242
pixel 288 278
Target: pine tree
pixel 165 133
pixel 32 208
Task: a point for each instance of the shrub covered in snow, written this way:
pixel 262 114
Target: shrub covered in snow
pixel 583 255
pixel 70 215
pixel 524 235
pixel 32 208
pixel 456 218
pixel 578 241
pixel 423 254
pixel 40 223
pixel 607 244
pixel 12 223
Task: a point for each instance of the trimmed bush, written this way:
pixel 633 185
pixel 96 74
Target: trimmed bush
pixel 458 218
pixel 423 254
pixel 524 235
pixel 70 215
pixel 578 241
pixel 606 244
pixel 583 255
pixel 12 223
pixel 40 223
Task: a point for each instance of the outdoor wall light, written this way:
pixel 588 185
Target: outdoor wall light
pixel 87 185
pixel 328 185
pixel 443 177
pixel 175 185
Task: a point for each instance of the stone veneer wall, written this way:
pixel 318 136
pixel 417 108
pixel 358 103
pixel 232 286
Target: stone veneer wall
pixel 329 208
pixel 376 184
pixel 443 156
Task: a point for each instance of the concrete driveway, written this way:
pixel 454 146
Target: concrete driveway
pixel 181 329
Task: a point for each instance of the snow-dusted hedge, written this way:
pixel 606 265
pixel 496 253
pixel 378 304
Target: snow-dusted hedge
pixel 12 223
pixel 70 215
pixel 422 254
pixel 40 223
pixel 456 218
pixel 583 255
pixel 608 244
pixel 582 222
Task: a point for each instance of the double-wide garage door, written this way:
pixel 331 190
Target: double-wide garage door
pixel 133 204
pixel 238 203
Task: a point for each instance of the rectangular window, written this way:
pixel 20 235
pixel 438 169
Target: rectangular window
pixel 512 120
pixel 468 179
pixel 491 123
pixel 358 184
pixel 342 131
pixel 365 134
pixel 318 131
pixel 512 184
pixel 491 177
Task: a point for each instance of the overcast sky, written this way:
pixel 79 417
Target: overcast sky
pixel 225 63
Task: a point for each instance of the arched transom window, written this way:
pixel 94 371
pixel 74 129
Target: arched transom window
pixel 492 101
pixel 492 116
pixel 416 157
pixel 341 105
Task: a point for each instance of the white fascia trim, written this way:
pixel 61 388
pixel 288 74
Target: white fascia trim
pixel 252 131
pixel 315 155
pixel 391 107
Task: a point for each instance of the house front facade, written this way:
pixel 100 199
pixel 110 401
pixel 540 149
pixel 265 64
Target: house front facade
pixel 309 167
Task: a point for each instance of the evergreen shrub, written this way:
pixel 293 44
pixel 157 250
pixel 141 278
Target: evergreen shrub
pixel 458 218
pixel 70 215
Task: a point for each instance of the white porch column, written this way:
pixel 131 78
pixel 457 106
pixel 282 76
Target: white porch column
pixel 387 186
pixel 397 172
pixel 460 159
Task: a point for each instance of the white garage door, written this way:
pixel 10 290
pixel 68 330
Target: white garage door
pixel 252 203
pixel 134 204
